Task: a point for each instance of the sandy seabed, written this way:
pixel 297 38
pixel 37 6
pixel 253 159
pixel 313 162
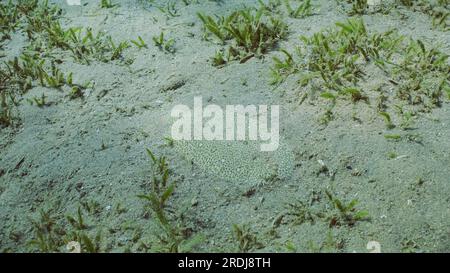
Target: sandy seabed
pixel 88 155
